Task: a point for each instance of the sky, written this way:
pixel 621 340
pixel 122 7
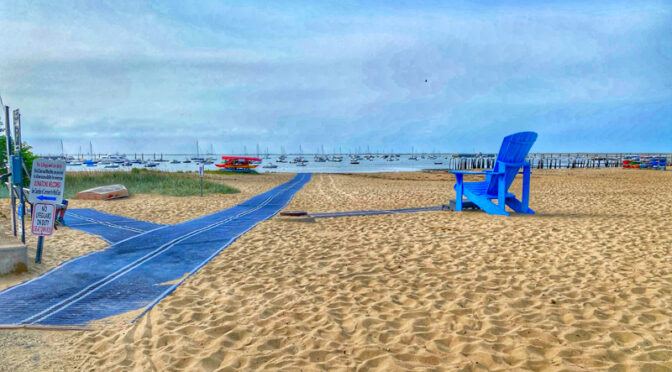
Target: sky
pixel 449 76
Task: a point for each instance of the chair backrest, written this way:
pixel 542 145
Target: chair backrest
pixel 514 150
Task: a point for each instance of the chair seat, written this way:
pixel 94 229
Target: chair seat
pixel 477 187
pixel 481 188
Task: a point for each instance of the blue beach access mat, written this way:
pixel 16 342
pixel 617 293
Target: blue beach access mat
pixel 128 275
pixel 109 227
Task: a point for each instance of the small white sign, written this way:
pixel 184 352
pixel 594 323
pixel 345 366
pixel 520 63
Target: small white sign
pixel 19 215
pixel 17 131
pixel 43 219
pixel 47 181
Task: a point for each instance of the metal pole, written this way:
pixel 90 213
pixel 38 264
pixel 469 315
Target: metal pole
pixel 201 170
pixel 23 215
pixel 38 255
pixel 19 148
pixel 8 142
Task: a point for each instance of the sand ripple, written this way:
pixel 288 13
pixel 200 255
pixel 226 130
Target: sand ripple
pixel 584 285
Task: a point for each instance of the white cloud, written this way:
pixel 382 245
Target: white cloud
pixel 310 74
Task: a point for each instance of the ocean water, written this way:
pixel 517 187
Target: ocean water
pixel 364 166
pixel 378 164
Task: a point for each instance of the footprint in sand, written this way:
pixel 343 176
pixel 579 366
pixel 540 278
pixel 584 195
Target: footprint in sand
pixel 578 336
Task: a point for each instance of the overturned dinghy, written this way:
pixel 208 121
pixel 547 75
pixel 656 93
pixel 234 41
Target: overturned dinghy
pixel 103 193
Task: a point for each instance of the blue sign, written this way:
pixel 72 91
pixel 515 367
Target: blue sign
pixel 17 170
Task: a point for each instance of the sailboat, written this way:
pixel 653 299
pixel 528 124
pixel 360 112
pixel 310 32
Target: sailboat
pixel 198 155
pixel 412 157
pixel 75 162
pixel 320 158
pixel 299 160
pixel 282 158
pixel 90 162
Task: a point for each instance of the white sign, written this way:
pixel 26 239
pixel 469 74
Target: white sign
pixel 19 214
pixel 47 181
pixel 43 219
pixel 17 131
pixel 200 169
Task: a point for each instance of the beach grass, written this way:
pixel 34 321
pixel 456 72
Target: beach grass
pixel 253 172
pixel 142 181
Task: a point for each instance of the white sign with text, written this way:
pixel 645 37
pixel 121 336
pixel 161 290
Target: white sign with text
pixel 43 219
pixel 47 181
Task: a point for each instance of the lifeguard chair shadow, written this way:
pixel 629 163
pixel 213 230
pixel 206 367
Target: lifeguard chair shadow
pixel 510 159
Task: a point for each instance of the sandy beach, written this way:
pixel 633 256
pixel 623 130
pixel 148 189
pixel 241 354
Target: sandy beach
pixel 584 284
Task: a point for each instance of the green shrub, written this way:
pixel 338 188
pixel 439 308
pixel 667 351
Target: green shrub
pixel 27 155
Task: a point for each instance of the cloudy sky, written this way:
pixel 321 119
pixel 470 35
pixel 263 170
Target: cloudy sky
pixel 435 75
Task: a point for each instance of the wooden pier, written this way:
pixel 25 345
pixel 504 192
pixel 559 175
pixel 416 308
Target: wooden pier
pixel 555 160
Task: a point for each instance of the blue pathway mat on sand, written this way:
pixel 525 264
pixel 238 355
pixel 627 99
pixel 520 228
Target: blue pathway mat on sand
pixel 129 274
pixel 109 227
pixel 375 212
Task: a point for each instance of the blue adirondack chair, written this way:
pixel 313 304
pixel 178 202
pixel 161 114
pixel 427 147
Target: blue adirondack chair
pixel 510 159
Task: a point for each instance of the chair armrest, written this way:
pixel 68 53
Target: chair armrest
pixel 470 172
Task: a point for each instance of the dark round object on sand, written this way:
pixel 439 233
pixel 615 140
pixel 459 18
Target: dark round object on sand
pixel 294 213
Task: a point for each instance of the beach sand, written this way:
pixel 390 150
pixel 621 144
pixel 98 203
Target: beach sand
pixel 33 350
pixel 585 284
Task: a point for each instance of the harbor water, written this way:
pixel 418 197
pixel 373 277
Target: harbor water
pixel 362 163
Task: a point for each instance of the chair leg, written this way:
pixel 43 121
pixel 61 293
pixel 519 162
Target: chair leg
pixel 459 191
pixel 526 187
pixel 518 206
pixel 501 192
pixel 486 205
